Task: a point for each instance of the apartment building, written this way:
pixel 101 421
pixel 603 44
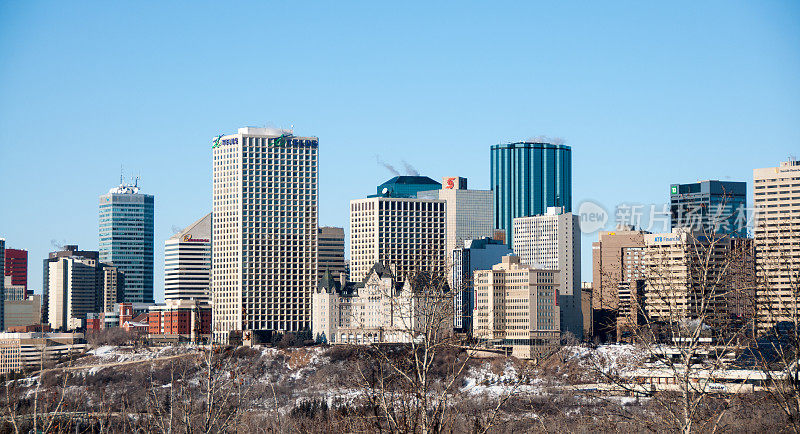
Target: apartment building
pixel 552 241
pixel 516 308
pixel 478 254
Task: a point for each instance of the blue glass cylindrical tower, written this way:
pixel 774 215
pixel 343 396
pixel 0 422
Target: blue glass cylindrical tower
pixel 528 177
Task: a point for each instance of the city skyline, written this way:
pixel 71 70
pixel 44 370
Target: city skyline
pixel 709 93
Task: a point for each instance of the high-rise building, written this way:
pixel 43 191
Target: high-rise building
pixel 469 214
pixel 516 307
pixel 126 239
pixel 331 251
pixel 11 291
pixel 73 291
pixel 553 242
pixel 777 235
pixel 616 258
pixel 403 233
pixel 112 286
pixel 265 221
pixel 527 178
pixel 67 251
pixel 16 266
pixel 713 207
pixel 479 254
pixel 690 275
pixel 187 263
pixel 2 281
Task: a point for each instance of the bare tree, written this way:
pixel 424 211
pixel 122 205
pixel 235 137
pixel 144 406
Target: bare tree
pixel 778 300
pixel 689 318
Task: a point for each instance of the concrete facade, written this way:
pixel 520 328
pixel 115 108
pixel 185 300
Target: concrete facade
pixel 265 221
pixel 552 242
pixel 777 235
pixel 406 234
pixel 187 263
pixel 516 307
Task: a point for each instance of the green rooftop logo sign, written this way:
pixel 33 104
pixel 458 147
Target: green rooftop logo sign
pixel 216 142
pixel 674 189
pixel 280 141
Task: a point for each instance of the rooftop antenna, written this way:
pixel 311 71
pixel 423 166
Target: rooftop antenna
pixel 120 175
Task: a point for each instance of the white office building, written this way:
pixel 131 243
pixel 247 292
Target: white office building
pixel 187 263
pixel 406 234
pixel 73 292
pixel 552 242
pixel 264 254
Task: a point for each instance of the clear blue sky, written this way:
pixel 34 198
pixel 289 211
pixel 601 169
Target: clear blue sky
pixel 646 93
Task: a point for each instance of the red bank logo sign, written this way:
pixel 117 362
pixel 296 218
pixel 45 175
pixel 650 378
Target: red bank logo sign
pixel 196 240
pixel 450 183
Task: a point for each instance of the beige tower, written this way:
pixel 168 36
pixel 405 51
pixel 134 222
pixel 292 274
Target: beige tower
pixel 406 234
pixel 553 241
pixel 515 306
pixel 777 235
pixel 470 214
pixel 264 254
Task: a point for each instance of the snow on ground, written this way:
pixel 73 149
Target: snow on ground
pixel 608 359
pixel 482 381
pixel 101 351
pixel 111 354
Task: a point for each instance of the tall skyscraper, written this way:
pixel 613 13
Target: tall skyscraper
pixel 187 263
pixel 404 233
pixel 265 218
pixel 16 266
pixel 777 235
pixel 479 254
pixel 469 214
pixel 553 242
pixel 331 251
pixel 126 239
pixel 710 206
pixel 527 178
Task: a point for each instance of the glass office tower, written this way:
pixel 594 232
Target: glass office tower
pixel 710 207
pixel 126 239
pixel 527 178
